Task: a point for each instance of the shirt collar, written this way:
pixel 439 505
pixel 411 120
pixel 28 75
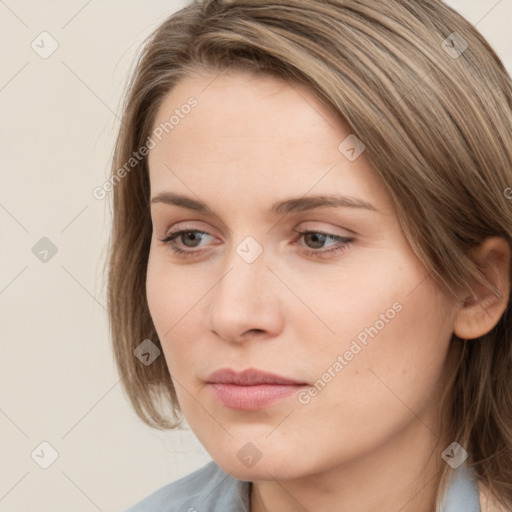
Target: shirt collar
pixel 461 494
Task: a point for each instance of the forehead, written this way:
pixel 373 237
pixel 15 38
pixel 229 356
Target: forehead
pixel 249 133
pixel 237 106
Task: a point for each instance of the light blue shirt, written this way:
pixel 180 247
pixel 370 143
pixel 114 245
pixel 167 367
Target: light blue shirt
pixel 209 489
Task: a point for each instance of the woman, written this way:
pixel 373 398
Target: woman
pixel 310 257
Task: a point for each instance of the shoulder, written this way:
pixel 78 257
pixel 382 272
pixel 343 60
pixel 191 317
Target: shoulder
pixel 487 503
pixel 207 488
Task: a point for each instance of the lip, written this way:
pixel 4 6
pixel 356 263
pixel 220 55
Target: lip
pixel 251 389
pixel 249 377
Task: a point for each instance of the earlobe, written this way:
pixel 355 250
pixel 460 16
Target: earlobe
pixel 484 306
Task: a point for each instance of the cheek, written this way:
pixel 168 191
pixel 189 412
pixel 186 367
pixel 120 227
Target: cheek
pixel 392 358
pixel 175 302
pixel 162 298
pixel 390 332
pixel 170 292
pixel 157 292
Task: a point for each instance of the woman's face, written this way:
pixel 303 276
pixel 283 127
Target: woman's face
pixel 355 324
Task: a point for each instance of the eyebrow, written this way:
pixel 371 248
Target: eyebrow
pixel 298 204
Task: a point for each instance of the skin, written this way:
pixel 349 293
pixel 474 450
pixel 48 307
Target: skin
pixel 365 440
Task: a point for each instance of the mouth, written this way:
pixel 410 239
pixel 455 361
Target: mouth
pixel 251 389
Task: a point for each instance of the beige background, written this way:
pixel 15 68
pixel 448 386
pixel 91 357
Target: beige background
pixel 58 382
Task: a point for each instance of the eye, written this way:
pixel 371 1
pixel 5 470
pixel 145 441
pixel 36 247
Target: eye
pixel 191 238
pixel 187 236
pixel 319 238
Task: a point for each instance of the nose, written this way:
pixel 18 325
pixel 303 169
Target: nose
pixel 245 303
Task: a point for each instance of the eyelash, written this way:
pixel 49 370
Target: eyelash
pixel 310 252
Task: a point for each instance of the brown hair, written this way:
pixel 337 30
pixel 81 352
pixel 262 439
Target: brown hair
pixel 436 119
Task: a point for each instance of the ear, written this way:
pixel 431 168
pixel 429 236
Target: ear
pixel 482 309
